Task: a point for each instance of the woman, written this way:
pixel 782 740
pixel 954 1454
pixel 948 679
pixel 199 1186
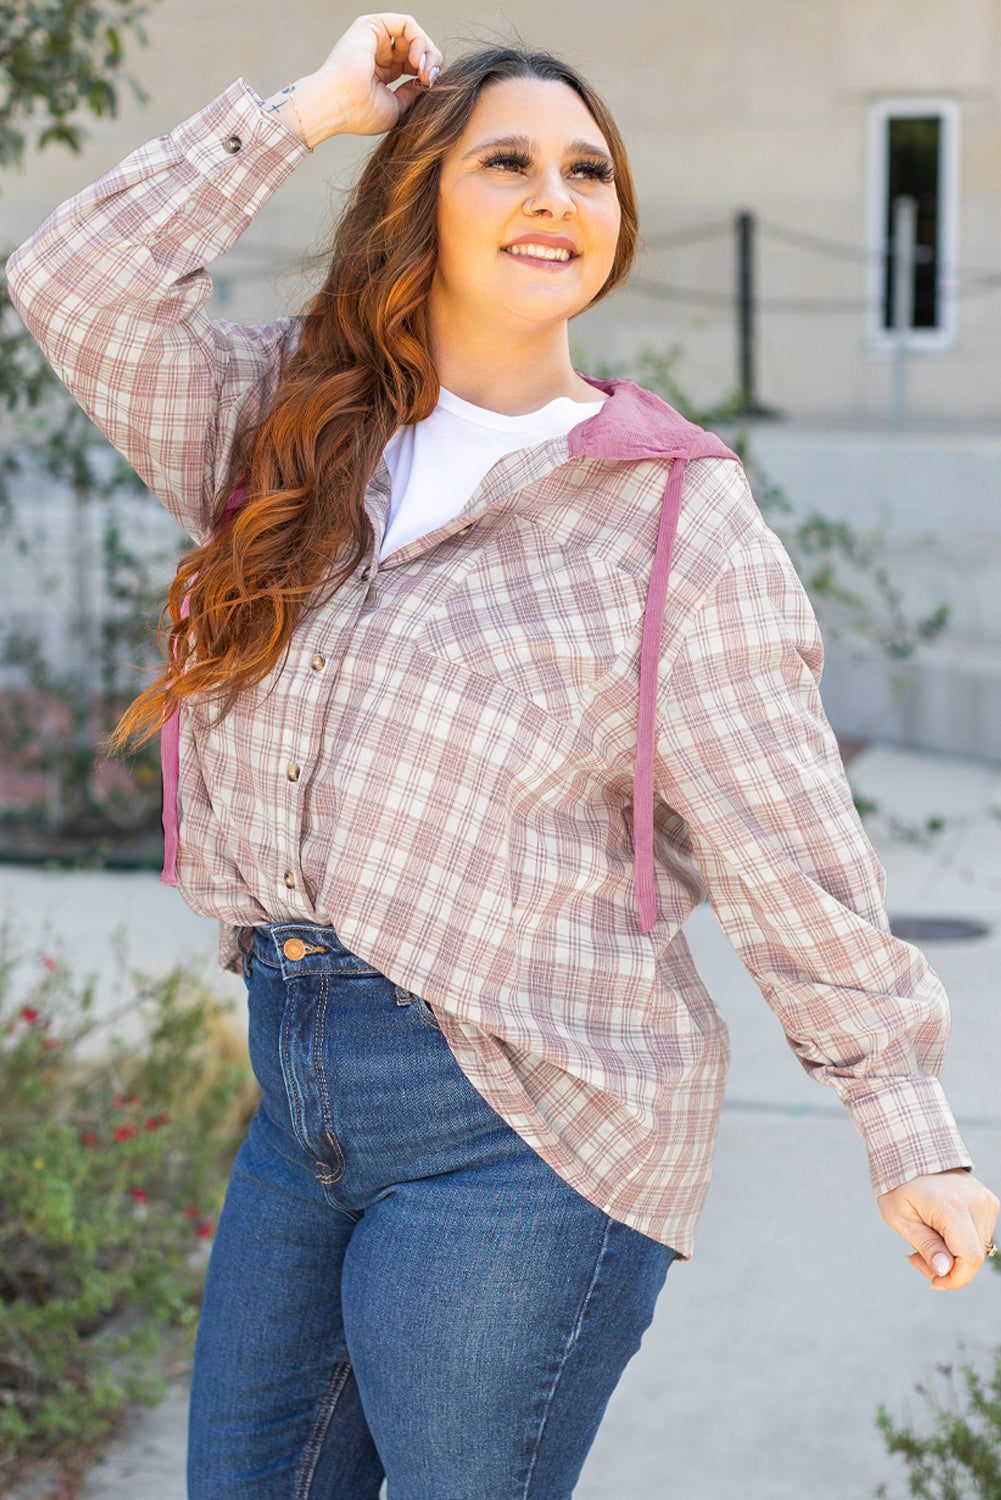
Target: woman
pixel 438 712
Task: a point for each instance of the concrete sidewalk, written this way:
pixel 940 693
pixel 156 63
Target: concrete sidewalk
pixel 771 1350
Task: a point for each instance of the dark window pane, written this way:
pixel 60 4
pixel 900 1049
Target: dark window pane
pixel 913 147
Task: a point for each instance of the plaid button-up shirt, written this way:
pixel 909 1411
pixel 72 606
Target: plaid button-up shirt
pixel 443 770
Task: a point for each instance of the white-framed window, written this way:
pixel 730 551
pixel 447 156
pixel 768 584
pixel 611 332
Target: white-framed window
pixel 914 153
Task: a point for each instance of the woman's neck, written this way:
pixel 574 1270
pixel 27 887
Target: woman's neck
pixel 509 374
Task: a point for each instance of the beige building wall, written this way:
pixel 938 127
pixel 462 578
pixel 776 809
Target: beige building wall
pixel 726 104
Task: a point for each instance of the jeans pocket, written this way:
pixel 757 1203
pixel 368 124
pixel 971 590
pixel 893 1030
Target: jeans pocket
pixel 417 1007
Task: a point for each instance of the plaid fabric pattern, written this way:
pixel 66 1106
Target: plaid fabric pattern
pixel 443 770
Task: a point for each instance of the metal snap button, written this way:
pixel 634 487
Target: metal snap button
pixel 366 574
pixel 292 772
pixel 290 880
pixel 232 144
pixel 294 948
pixel 318 663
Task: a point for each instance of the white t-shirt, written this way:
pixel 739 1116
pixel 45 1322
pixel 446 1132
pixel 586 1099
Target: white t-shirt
pixel 435 465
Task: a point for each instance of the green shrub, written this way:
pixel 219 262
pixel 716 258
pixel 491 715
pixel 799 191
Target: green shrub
pixel 960 1457
pixel 112 1170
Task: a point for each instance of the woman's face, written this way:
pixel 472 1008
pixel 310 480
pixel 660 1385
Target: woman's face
pixel 528 215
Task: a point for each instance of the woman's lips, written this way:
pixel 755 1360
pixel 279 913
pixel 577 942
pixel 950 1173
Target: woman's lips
pixel 542 252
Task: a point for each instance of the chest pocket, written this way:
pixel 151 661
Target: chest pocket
pixel 546 621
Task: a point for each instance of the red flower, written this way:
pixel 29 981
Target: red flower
pixel 88 1138
pixel 192 1211
pixel 126 1133
pixel 51 1042
pixel 164 1118
pixel 152 1123
pixel 29 1015
pixel 118 1101
pixel 133 1103
pixel 139 1195
pixel 206 1229
pixel 50 963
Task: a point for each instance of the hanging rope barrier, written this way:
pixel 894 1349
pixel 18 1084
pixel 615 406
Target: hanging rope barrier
pixel 696 295
pixel 728 301
pixel 697 234
pixel 838 249
pixel 980 276
pixel 898 262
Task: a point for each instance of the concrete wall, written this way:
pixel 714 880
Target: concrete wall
pixel 726 104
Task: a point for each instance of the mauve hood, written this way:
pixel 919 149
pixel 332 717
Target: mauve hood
pixel 636 424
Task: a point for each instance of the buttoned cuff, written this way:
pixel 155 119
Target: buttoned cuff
pixel 909 1131
pixel 245 150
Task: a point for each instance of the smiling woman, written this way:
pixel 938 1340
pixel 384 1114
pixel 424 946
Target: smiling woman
pixel 482 676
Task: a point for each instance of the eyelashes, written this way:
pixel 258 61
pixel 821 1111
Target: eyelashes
pixel 592 169
pixel 596 171
pixel 516 160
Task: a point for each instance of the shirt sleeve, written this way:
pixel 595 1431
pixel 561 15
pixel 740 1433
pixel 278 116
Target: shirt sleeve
pixel 747 757
pixel 113 286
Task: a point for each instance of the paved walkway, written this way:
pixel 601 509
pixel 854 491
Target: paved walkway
pixel 770 1350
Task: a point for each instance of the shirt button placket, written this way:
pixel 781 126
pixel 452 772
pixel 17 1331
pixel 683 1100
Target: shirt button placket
pixel 317 663
pixel 293 771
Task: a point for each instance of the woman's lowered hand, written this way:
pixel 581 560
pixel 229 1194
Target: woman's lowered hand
pixel 949 1219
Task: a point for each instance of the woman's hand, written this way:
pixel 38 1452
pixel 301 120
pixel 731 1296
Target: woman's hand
pixel 949 1215
pixel 349 93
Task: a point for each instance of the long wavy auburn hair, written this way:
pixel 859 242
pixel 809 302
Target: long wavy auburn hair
pixel 361 369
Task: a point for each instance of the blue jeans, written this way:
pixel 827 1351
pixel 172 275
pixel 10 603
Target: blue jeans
pixel 399 1286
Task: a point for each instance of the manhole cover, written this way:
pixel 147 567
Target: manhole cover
pixel 938 929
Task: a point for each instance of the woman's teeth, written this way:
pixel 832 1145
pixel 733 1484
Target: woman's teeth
pixel 539 252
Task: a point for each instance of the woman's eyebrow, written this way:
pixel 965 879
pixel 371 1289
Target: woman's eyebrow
pixel 507 142
pixel 530 148
pixel 581 147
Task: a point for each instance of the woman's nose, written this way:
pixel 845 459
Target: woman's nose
pixel 550 196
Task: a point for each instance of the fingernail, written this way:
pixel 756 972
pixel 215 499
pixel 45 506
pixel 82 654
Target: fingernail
pixel 424 58
pixel 941 1263
pixel 433 77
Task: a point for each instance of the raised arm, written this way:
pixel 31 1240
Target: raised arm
pixel 113 285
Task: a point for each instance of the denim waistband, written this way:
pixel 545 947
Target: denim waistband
pixel 298 948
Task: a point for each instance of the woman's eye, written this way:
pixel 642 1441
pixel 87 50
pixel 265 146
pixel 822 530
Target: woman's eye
pixel 593 171
pixel 507 163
